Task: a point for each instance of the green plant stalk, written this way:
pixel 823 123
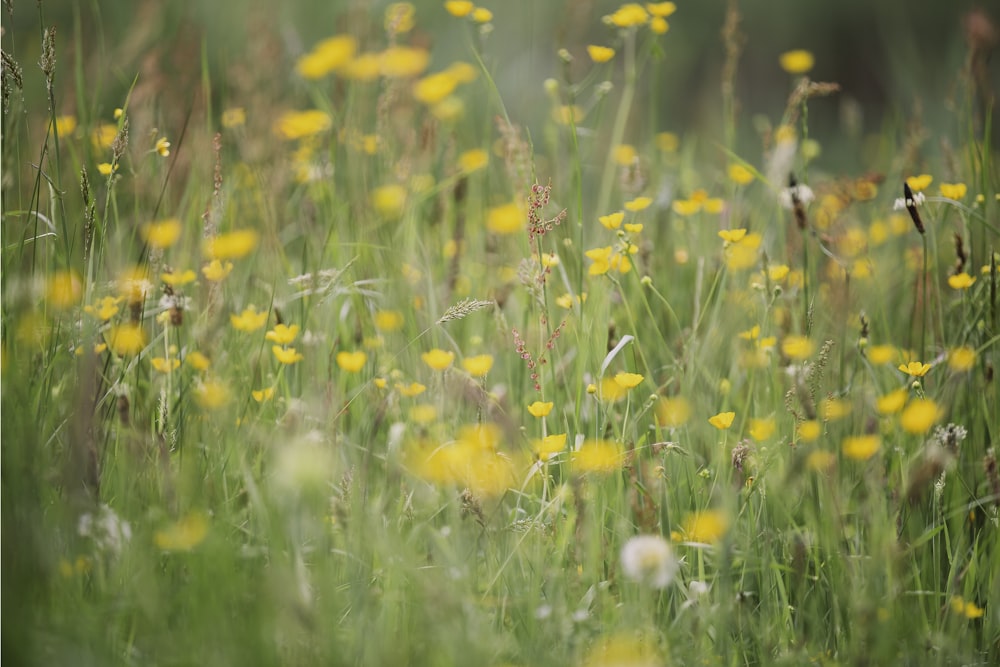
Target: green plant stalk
pixel 621 119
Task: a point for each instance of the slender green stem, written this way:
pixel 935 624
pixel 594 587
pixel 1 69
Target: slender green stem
pixel 621 119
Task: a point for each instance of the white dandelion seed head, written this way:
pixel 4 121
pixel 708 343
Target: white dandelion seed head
pixel 649 560
pixel 801 192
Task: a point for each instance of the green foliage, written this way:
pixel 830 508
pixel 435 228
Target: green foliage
pixel 353 352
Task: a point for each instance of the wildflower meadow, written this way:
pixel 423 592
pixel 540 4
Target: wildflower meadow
pixel 523 333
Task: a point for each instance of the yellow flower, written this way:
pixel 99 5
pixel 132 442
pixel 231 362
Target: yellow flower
pixel 437 359
pixel 820 460
pixel 363 67
pixel 892 402
pixel 162 234
pixel 105 309
pixel 184 534
pixel 234 117
pixel 505 219
pixel 599 456
pixel 753 333
pixel 611 391
pixel 549 445
pixel 706 527
pixel 63 289
pixel 103 136
pixel 162 147
pixel 473 160
pixel 762 429
pixel 628 380
pixel 723 420
pixel 65 126
pixel 482 15
pixel 961 281
pixel 388 320
pixel 834 408
pixel 282 334
pixel 732 235
pixel 211 394
pixel 449 110
pixel 919 416
pixel 286 355
pixel 600 54
pixel 434 88
pixel 302 124
pixel 915 369
pixel 389 200
pixel 810 430
pixel 921 182
pixel 478 365
pixel 881 354
pixel 740 175
pixel 249 320
pixel 459 8
pixel 797 347
pixel 612 221
pixel 215 270
pixel 861 447
pixel 661 9
pixel 177 278
pixel 953 190
pixel 165 365
pixel 961 359
pixel 261 395
pixel 411 390
pixel 125 339
pixel 540 409
pixel 106 168
pixel 685 207
pixel 798 61
pixel 403 61
pixel 351 362
pixel 629 15
pixel 672 412
pixel 968 609
pixel 423 413
pixel 231 245
pixel 713 205
pixel 778 272
pixel 198 361
pixel 328 56
pixel 625 154
pixel 638 204
pixel 658 25
pixel 667 142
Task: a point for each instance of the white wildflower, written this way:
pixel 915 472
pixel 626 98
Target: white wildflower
pixel 799 192
pixel 902 203
pixel 649 559
pixel 108 531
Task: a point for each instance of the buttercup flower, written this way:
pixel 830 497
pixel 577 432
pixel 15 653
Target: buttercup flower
pixel 540 409
pixel 723 420
pixel 351 362
pixel 600 54
pixel 915 369
pixel 437 359
pixel 282 334
pixel 798 61
pixel 961 281
pixel 478 365
pixel 862 447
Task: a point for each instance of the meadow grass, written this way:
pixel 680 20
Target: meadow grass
pixel 370 373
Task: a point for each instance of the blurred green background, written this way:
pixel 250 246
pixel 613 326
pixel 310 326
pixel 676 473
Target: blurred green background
pixel 894 59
